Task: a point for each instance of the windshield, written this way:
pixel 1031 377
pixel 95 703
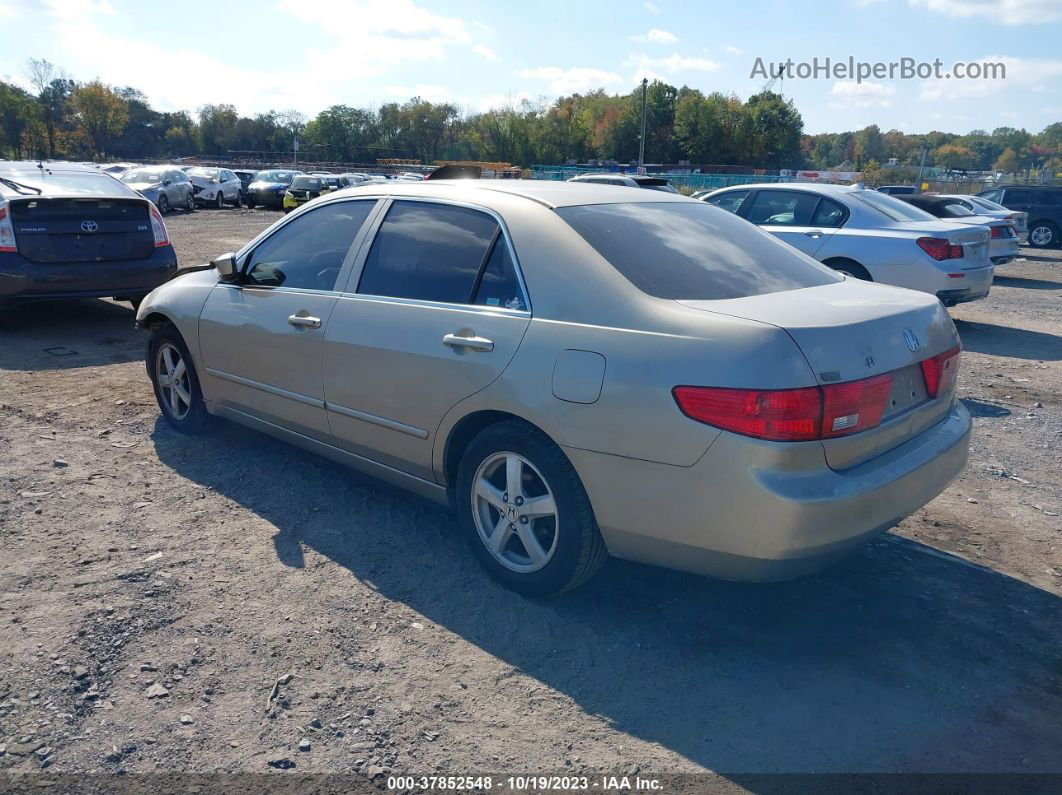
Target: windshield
pixel 306 182
pixel 284 177
pixel 894 209
pixel 142 175
pixel 688 251
pixel 202 172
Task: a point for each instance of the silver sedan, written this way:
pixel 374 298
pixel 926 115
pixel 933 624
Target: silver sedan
pixel 579 371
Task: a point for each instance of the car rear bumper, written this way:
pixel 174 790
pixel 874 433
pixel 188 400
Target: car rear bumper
pixel 1001 251
pixel 23 279
pixel 744 513
pixel 972 285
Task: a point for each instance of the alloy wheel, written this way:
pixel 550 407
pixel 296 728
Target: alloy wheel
pixel 1041 236
pixel 515 512
pixel 171 375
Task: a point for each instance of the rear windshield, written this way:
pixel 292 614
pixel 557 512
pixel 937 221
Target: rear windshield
pixel 85 183
pixel 893 209
pixel 693 251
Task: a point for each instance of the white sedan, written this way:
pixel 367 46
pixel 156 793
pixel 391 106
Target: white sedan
pixel 869 235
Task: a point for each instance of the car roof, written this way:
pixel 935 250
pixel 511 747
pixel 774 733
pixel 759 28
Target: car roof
pixel 550 193
pixel 820 187
pixel 33 166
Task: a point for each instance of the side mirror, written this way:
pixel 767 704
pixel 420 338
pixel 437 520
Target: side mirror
pixel 226 268
pixel 167 181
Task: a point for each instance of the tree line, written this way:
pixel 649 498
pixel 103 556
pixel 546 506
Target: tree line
pixel 64 118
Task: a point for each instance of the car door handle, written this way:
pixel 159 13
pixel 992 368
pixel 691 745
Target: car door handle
pixel 814 233
pixel 305 321
pixel 472 343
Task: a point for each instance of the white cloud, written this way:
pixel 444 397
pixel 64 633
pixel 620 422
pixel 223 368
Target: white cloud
pixel 652 8
pixel 1007 12
pixel 651 68
pixel 734 50
pixel 496 101
pixel 485 51
pixel 7 12
pixel 655 36
pixel 577 79
pixel 851 94
pixel 1021 73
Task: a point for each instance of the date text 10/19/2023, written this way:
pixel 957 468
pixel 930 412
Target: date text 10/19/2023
pixel 603 783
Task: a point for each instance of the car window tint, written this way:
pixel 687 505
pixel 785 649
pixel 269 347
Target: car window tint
pixel 782 208
pixel 499 285
pixel 828 214
pixel 431 252
pixel 1020 195
pixel 308 252
pixel 692 251
pixel 728 201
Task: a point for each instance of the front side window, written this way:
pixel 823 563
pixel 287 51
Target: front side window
pixel 430 252
pixel 730 201
pixel 691 251
pixel 308 252
pixel 782 208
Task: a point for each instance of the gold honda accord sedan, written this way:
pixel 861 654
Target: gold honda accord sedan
pixel 578 370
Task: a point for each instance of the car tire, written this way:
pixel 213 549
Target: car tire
pixel 239 199
pixel 849 268
pixel 164 204
pixel 180 400
pixel 564 548
pixel 1043 234
pixel 189 204
pixel 249 202
pixel 219 201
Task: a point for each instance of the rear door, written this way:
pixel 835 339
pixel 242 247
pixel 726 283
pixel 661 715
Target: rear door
pixel 260 341
pixel 794 216
pixel 433 314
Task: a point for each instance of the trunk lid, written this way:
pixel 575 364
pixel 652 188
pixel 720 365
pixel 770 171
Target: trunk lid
pixel 853 330
pixel 82 229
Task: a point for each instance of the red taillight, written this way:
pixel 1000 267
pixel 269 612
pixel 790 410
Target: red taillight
pixel 7 232
pixel 939 248
pixel 789 415
pixel 158 227
pixel 941 372
pixel 995 231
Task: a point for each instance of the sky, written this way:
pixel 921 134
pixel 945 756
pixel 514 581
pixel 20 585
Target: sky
pixel 309 54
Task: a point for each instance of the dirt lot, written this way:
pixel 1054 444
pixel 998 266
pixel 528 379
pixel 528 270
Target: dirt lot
pixel 154 587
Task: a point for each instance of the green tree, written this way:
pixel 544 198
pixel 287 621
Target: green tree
pixel 101 115
pixel 1007 162
pixel 17 113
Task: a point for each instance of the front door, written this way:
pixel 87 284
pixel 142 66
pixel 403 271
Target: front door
pixel 434 314
pixel 261 340
pixel 791 216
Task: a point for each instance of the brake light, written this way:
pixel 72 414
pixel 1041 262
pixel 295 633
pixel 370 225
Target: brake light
pixel 158 227
pixel 939 248
pixel 941 372
pixel 7 232
pixel 789 415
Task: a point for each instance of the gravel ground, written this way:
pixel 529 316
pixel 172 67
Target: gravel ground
pixel 226 603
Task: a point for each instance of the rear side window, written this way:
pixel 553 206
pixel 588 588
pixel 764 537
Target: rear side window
pixel 782 208
pixel 829 214
pixel 729 201
pixel 499 285
pixel 1022 195
pixel 691 251
pixel 430 252
pixel 308 252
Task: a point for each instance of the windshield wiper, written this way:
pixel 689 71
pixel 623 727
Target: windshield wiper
pixel 18 186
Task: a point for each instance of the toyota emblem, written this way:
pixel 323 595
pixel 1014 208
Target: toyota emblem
pixel 89 226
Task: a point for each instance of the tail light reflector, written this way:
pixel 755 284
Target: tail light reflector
pixel 789 415
pixel 939 248
pixel 158 227
pixel 941 372
pixel 7 232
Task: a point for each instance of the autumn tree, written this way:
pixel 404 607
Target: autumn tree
pixel 101 114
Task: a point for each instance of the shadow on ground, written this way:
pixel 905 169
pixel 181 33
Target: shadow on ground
pixel 59 335
pixel 1025 284
pixel 1016 343
pixel 979 408
pixel 901 658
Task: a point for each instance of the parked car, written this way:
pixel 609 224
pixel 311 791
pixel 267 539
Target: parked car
pixel 899 190
pixel 303 188
pixel 1042 203
pixel 245 178
pixel 982 206
pixel 165 186
pixel 215 187
pixel 869 235
pixel 116 169
pixel 578 371
pixel 268 187
pixel 416 176
pixel 1003 237
pixel 627 180
pixel 340 181
pixel 70 231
